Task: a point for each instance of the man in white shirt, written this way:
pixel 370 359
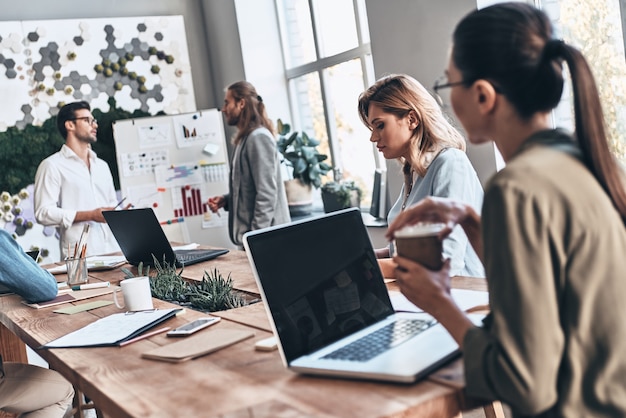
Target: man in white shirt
pixel 74 186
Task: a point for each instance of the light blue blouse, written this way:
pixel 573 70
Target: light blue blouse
pixel 451 175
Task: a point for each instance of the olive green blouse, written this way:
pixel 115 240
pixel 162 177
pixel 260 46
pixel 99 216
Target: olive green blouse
pixel 554 344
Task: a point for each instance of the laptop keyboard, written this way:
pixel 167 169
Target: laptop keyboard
pixel 381 340
pixel 186 258
pixel 193 256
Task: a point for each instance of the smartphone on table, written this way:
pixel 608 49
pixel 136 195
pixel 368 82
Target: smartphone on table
pixel 193 326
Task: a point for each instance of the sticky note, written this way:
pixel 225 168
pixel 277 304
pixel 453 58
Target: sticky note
pixel 70 310
pixel 211 149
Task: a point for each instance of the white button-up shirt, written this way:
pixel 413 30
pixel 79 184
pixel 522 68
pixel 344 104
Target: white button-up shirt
pixel 64 185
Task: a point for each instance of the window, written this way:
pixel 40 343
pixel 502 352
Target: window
pixel 328 64
pixel 595 27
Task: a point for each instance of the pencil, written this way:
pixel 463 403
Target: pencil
pixel 82 242
pixel 144 336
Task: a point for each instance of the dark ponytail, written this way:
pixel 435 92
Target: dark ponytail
pixel 511 45
pixel 591 129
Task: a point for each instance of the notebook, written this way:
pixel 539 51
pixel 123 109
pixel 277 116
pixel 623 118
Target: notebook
pixel 330 309
pixel 197 345
pixel 140 235
pixel 114 329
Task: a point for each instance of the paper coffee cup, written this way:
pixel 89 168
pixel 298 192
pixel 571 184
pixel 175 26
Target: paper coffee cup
pixel 421 243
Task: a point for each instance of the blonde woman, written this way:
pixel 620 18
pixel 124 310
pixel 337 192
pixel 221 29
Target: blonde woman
pixel 408 124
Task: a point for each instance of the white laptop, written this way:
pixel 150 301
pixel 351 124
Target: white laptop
pixel 325 296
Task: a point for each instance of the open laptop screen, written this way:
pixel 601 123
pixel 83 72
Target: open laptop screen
pixel 320 280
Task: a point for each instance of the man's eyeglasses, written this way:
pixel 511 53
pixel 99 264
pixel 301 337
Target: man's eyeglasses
pixel 89 120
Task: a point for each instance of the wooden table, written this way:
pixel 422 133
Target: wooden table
pixel 234 382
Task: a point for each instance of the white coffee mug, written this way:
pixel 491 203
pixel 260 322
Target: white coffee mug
pixel 136 292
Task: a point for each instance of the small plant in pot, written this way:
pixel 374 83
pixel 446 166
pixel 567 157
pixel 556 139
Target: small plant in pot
pixel 213 293
pixel 341 194
pixel 307 165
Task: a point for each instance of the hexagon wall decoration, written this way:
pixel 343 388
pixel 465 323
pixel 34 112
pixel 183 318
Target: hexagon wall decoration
pixel 44 63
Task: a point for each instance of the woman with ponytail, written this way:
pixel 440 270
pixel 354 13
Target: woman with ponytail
pixel 551 233
pixel 256 197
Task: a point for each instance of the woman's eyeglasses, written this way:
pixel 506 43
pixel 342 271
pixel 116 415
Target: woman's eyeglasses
pixel 443 83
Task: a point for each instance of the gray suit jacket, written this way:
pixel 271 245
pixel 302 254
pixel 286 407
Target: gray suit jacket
pixel 257 196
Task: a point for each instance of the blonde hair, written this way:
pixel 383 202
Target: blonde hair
pixel 398 94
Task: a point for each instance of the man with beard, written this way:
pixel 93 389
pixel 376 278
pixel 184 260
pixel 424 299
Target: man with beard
pixel 74 186
pixel 256 196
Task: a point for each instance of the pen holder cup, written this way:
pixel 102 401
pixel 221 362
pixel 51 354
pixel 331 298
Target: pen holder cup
pixel 76 271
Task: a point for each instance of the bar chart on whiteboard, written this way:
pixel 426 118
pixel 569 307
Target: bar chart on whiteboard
pixel 174 164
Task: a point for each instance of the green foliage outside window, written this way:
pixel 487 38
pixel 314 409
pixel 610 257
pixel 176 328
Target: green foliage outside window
pixel 594 26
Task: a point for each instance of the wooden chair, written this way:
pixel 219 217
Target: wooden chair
pixel 80 406
pixel 494 410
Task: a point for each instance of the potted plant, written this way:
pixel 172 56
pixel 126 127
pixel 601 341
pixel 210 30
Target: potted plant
pixel 307 165
pixel 213 293
pixel 341 194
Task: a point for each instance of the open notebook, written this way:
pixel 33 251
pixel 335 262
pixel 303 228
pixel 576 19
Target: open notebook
pixel 329 306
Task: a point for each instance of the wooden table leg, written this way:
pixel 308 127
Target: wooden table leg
pixel 11 347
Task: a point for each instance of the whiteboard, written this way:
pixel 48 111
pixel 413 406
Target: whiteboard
pixel 173 164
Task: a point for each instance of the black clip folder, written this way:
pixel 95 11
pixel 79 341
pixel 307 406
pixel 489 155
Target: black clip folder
pixel 114 329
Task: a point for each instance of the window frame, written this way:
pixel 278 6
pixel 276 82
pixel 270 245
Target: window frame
pixel 318 66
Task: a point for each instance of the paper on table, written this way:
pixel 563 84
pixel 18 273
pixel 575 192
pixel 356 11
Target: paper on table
pixel 113 329
pixel 465 299
pixel 96 262
pixel 191 246
pixel 74 309
pixel 66 296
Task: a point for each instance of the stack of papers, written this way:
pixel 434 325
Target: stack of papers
pixel 96 262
